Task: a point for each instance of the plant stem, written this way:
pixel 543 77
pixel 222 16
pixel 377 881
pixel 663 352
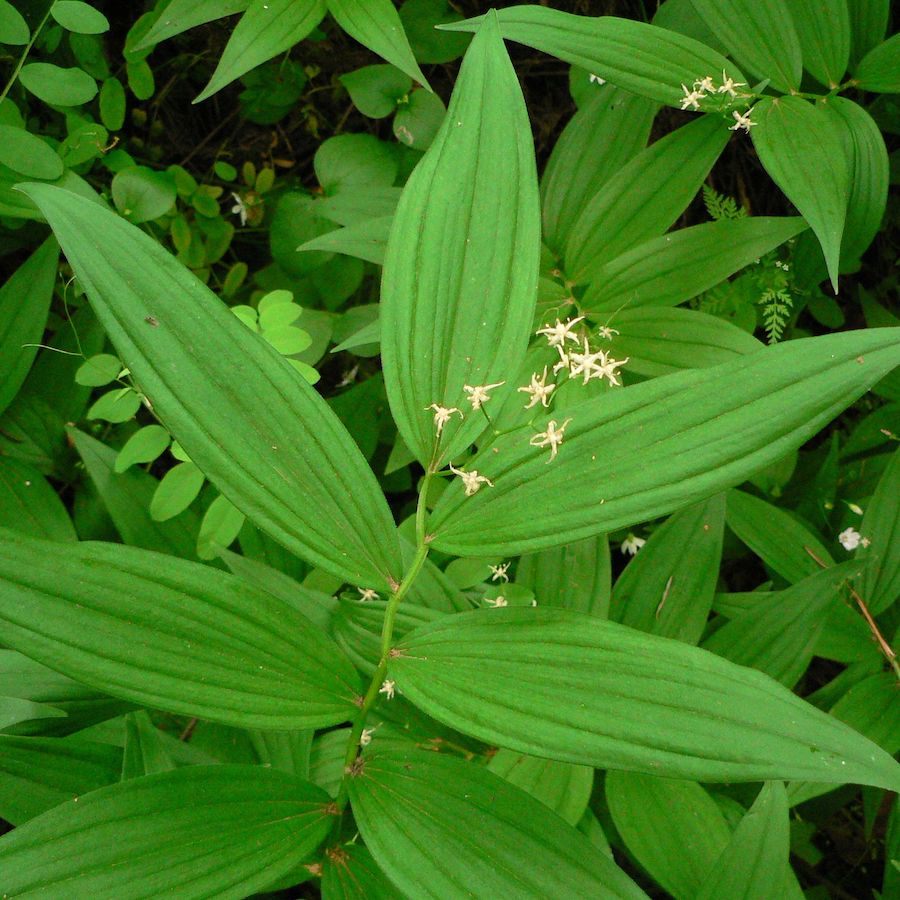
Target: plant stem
pixel 25 52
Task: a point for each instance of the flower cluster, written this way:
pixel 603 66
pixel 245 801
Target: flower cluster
pixel 718 98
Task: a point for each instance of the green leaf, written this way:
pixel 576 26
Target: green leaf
pixel 376 25
pixel 573 687
pixel 672 268
pixel 460 274
pixel 673 828
pixel 82 18
pixel 376 90
pixel 16 711
pixel 267 28
pixel 140 79
pixel 800 146
pixel 660 341
pixel 585 157
pixel 98 370
pixel 366 240
pixel 267 440
pixel 879 69
pixel 642 59
pixel 490 840
pixel 420 18
pixel 141 194
pixel 144 753
pixel 210 645
pixel 668 588
pixel 28 155
pixel 177 491
pixel 24 305
pixel 29 505
pixel 145 446
pixel 623 462
pixel 58 86
pixel 348 162
pixel 644 198
pixel 116 406
pixel 417 121
pixel 180 15
pixel 756 858
pixel 869 21
pixel 823 29
pixel 879 585
pixel 222 831
pixel 14 29
pixel 350 873
pixel 220 526
pixel 760 35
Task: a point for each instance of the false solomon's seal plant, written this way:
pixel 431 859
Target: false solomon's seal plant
pixel 537 446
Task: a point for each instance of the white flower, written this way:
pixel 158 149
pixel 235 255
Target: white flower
pixel 388 689
pixel 239 208
pixel 495 602
pixel 585 363
pixel 367 594
pixel 691 98
pixel 606 332
pixel 564 361
pixel 705 84
pixel 850 539
pixel 551 438
pixel 366 737
pixel 632 544
pixel 596 79
pixel 560 332
pixel 442 415
pixel 728 86
pixel 538 391
pixel 479 393
pixel 472 481
pixel 608 370
pixel 499 572
pixel 742 121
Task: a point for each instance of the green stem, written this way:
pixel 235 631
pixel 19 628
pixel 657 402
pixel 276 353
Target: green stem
pixel 25 52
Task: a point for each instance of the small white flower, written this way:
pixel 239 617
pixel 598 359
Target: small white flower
pixel 472 481
pixel 632 544
pixel 691 98
pixel 239 208
pixel 850 539
pixel 608 370
pixel 728 86
pixel 538 391
pixel 479 393
pixel 596 79
pixel 606 332
pixel 564 361
pixel 387 688
pixel 499 572
pixel 585 363
pixel 495 602
pixel 560 332
pixel 854 508
pixel 367 594
pixel 551 438
pixel 705 84
pixel 742 121
pixel 442 415
pixel 366 737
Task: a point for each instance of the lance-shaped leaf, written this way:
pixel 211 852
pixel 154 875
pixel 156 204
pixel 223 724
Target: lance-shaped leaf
pixel 28 503
pixel 573 687
pixel 673 268
pixel 623 461
pixel 868 23
pixel 823 29
pixel 760 35
pixel 460 273
pixel 267 28
pixel 376 24
pixel 491 839
pixel 879 70
pixel 259 432
pixel 170 634
pixel 643 59
pixel 199 831
pixel 180 15
pixel 801 147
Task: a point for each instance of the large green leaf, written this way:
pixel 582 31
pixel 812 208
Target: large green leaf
pixel 672 268
pixel 573 687
pixel 460 273
pixel 760 35
pixel 622 461
pixel 180 15
pixel 441 827
pixel 801 147
pixel 643 59
pixel 267 28
pixel 260 433
pixel 350 873
pixel 880 581
pixel 879 70
pixel 869 21
pixel 28 504
pixel 217 831
pixel 377 25
pixel 171 634
pixel 24 304
pixel 823 29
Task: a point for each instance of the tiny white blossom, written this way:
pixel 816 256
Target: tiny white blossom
pixel 608 371
pixel 606 332
pixel 585 363
pixel 854 508
pixel 478 394
pixel 472 481
pixel 850 539
pixel 632 544
pixel 705 84
pixel 388 689
pixel 499 572
pixel 495 602
pixel 728 85
pixel 742 121
pixel 691 98
pixel 239 208
pixel 596 79
pixel 538 391
pixel 564 361
pixel 367 594
pixel 366 737
pixel 442 415
pixel 551 438
pixel 560 332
